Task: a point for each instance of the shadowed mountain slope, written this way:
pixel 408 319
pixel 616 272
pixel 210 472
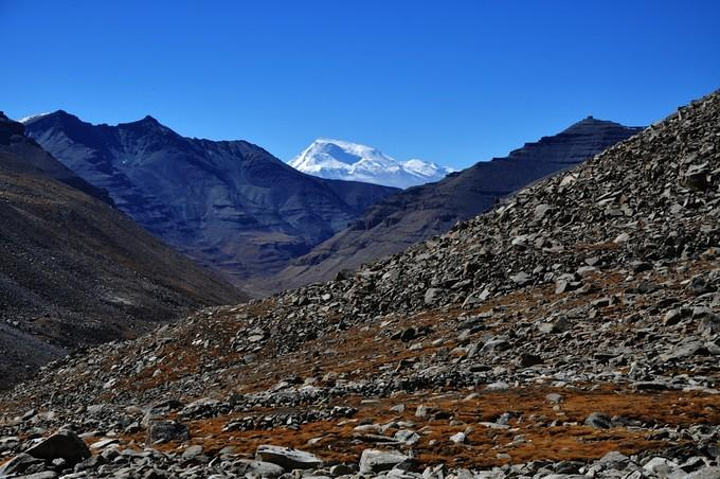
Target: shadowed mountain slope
pixel 74 271
pixel 229 204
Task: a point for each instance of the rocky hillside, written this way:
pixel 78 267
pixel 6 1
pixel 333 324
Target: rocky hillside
pixel 74 271
pixel 229 204
pixel 420 213
pixel 570 332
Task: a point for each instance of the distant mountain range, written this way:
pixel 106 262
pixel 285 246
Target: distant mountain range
pixel 233 206
pixel 75 271
pixel 228 204
pixel 419 213
pixel 342 160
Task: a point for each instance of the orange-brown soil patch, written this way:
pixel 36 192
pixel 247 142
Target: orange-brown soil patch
pixel 544 431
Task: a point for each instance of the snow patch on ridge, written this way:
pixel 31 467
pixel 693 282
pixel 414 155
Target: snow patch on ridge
pixel 33 117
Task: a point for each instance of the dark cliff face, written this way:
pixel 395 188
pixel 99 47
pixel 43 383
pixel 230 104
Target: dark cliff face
pixel 229 204
pixel 75 271
pixel 424 211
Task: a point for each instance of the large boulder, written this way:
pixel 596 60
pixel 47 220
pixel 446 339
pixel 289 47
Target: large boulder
pixel 62 445
pixel 376 460
pixel 287 458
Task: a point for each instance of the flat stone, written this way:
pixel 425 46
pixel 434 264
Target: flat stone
pixel 376 460
pixel 103 443
pixel 287 458
pixel 260 469
pixel 41 475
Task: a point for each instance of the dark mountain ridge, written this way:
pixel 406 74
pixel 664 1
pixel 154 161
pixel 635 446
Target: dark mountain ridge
pixel 229 204
pixel 30 158
pixel 75 271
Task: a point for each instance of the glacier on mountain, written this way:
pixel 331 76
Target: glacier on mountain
pixel 343 160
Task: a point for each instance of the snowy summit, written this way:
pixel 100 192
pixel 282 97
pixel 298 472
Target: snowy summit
pixel 342 160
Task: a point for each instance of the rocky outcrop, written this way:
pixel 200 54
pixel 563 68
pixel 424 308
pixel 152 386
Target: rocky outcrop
pixel 229 204
pixel 420 213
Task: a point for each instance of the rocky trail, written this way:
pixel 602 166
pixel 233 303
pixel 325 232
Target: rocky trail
pixel 573 331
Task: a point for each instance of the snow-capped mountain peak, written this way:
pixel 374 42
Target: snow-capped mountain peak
pixel 344 160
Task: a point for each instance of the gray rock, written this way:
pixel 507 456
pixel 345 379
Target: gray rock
pixel 41 475
pixel 90 463
pixel 707 473
pixel 19 464
pixel 432 295
pixel 287 458
pixel 521 278
pixel 407 436
pixel 598 420
pixel 664 468
pixel 63 444
pixel 709 325
pixel 260 469
pixel 166 431
pixel 192 452
pixel 373 461
pixel 342 470
pixel 528 360
pixel 696 177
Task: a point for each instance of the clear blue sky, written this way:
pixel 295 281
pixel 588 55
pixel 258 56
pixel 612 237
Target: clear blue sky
pixel 449 81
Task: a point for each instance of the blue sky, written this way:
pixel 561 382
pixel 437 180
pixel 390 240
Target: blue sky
pixel 449 81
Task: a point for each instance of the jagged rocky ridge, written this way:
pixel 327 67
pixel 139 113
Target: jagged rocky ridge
pixel 572 331
pixel 420 213
pixel 228 204
pixel 22 155
pixel 74 271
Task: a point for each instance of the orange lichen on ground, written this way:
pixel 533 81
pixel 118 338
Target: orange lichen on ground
pixel 540 429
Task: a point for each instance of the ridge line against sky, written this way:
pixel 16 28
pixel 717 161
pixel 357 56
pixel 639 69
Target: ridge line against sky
pixel 451 82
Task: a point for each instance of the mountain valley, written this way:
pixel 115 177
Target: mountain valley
pixel 229 205
pixel 569 331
